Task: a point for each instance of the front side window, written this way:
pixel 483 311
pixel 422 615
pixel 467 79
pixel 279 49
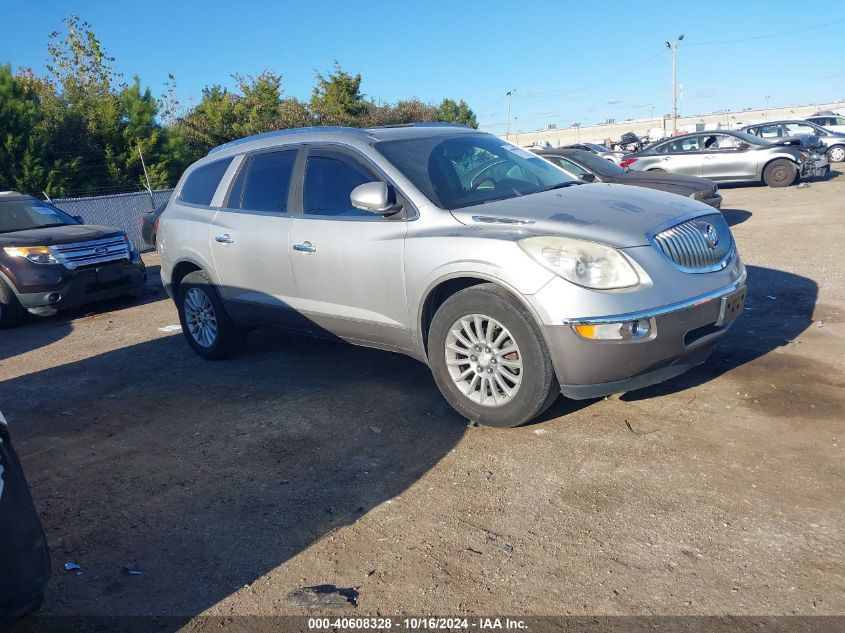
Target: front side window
pixel 571 168
pixel 466 169
pixel 263 182
pixel 202 182
pixel 330 178
pixel 799 128
pixel 23 215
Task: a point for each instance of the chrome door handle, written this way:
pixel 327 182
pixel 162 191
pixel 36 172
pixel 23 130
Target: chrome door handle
pixel 224 239
pixel 305 247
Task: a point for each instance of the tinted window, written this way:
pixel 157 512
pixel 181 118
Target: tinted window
pixel 329 179
pixel 21 215
pixel 201 184
pixel 571 168
pixel 465 169
pixel 599 165
pixel 263 182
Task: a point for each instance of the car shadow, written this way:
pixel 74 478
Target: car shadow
pixel 37 332
pixel 779 306
pixel 735 216
pixel 204 476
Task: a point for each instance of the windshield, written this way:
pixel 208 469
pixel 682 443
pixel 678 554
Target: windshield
pixel 597 148
pixel 601 166
pixel 21 215
pixel 467 169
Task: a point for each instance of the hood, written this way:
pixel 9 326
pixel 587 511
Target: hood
pixel 58 235
pixel 619 215
pixel 675 183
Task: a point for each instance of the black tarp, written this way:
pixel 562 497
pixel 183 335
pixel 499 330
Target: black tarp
pixel 24 558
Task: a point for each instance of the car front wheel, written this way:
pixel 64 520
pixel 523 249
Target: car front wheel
pixel 836 154
pixel 780 173
pixel 11 312
pixel 205 323
pixel 489 358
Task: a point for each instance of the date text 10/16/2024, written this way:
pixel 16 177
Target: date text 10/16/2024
pixel 426 623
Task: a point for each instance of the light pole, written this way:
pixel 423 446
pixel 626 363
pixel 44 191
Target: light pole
pixel 508 130
pixel 674 48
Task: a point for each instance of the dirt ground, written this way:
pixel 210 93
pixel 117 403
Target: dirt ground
pixel 301 462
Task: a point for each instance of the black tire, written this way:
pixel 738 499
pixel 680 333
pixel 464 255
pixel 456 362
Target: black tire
pixel 538 387
pixel 227 340
pixel 11 310
pixel 780 173
pixel 836 154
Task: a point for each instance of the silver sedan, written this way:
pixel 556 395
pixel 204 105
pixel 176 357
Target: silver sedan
pixel 728 156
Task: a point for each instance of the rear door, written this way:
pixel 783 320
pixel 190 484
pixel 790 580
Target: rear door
pixel 684 155
pixel 348 264
pixel 249 239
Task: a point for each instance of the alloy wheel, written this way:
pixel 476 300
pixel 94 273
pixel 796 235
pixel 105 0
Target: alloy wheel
pixel 200 317
pixel 483 360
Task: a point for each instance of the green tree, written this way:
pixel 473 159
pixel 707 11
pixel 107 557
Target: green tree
pixel 451 111
pixel 337 98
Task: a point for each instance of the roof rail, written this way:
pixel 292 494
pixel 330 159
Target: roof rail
pixel 285 133
pixel 425 124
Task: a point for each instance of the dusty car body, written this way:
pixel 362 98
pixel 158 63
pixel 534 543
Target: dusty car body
pixel 512 281
pixel 588 168
pixel 729 156
pixel 832 143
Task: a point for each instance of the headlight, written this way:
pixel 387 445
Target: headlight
pixel 587 264
pixel 35 254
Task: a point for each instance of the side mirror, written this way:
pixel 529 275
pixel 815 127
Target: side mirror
pixel 587 177
pixel 78 218
pixel 375 197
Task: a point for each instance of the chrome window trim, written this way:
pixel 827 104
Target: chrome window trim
pixel 663 310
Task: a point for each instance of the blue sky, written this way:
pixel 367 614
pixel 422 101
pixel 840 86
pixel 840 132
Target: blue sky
pixel 558 56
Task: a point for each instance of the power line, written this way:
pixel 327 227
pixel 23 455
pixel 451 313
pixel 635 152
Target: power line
pixel 598 83
pixel 762 37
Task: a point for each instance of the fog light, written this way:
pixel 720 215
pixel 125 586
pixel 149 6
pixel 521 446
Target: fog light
pixel 615 331
pixel 54 297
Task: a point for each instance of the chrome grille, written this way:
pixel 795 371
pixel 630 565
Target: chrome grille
pixel 702 244
pixel 92 252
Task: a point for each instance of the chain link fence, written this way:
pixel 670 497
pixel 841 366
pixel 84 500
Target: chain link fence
pixel 122 210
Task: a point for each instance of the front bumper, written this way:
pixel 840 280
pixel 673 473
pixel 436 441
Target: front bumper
pixel 682 336
pixel 72 288
pixel 816 168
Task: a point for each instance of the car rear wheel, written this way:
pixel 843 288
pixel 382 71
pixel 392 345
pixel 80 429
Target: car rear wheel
pixel 11 311
pixel 205 323
pixel 780 173
pixel 489 358
pixel 836 154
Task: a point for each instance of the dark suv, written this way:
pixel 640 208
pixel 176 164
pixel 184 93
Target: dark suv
pixel 50 260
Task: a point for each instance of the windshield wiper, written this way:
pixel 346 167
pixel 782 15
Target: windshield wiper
pixel 560 185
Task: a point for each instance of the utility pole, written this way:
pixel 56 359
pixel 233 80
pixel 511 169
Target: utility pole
pixel 508 132
pixel 674 48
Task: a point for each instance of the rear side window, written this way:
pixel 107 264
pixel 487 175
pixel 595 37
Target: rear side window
pixel 329 179
pixel 263 182
pixel 201 184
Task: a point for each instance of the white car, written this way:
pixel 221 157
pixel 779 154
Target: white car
pixel 832 122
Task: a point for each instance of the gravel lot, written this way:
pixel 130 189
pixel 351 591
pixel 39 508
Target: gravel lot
pixel 304 462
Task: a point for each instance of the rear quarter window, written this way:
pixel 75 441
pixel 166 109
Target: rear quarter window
pixel 202 182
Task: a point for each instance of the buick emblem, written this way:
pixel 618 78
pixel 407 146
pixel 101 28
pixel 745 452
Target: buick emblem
pixel 711 238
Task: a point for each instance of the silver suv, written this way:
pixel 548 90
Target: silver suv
pixel 509 279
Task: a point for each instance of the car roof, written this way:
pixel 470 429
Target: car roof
pixel 339 133
pixel 15 196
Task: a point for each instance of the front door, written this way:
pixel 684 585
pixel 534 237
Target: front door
pixel 724 159
pixel 348 264
pixel 249 240
pixel 684 155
